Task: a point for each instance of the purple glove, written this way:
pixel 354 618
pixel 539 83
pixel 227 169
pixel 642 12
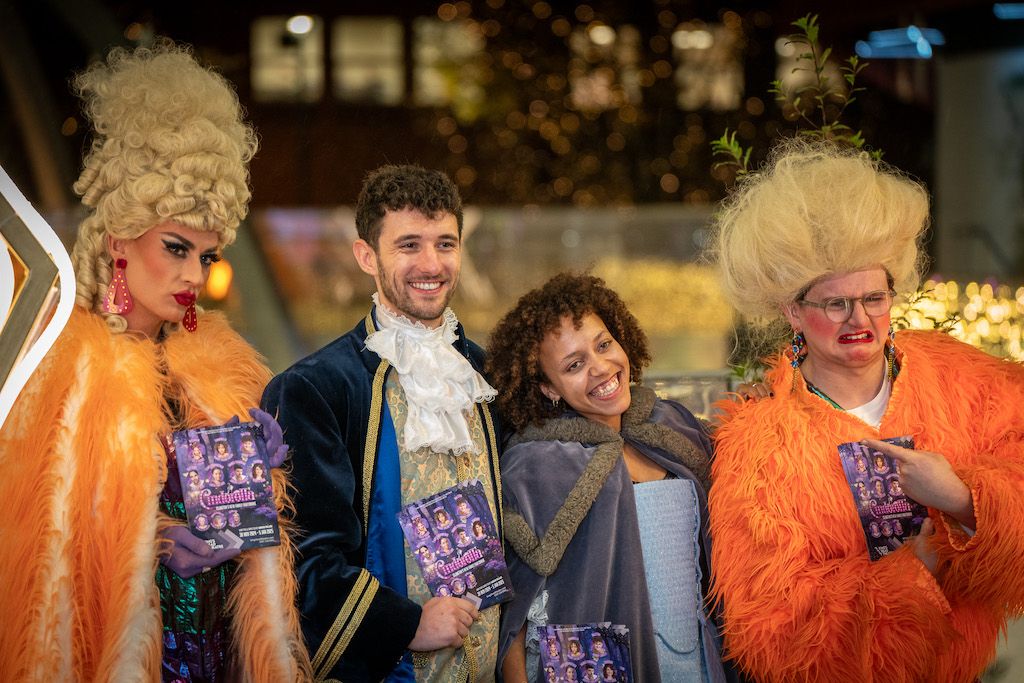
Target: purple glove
pixel 277 449
pixel 190 554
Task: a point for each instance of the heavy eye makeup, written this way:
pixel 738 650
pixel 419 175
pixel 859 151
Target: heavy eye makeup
pixel 181 250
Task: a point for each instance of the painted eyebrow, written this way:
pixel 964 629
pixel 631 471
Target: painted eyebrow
pixel 188 244
pixel 180 239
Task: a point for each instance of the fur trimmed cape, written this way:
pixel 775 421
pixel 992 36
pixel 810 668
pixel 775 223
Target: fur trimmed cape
pixel 82 468
pixel 571 523
pixel 802 601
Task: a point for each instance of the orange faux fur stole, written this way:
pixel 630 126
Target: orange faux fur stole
pixel 82 467
pixel 801 600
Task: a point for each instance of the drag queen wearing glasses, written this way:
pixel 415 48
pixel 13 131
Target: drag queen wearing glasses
pixel 823 238
pixel 99 578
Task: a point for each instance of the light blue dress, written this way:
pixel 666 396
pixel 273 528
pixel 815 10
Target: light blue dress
pixel 668 513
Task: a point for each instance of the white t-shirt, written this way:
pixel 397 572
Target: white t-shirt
pixel 872 411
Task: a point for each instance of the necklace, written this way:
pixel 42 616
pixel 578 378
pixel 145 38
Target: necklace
pixel 821 394
pixel 892 369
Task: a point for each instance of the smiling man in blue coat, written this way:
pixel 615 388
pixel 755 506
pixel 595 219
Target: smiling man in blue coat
pixel 392 412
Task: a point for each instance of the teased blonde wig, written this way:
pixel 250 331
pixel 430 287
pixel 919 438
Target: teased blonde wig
pixel 815 211
pixel 169 144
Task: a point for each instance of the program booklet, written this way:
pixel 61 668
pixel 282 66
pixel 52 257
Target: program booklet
pixel 454 539
pixel 225 482
pixel 594 653
pixel 888 516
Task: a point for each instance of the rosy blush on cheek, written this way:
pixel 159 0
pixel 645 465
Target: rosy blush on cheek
pixel 819 327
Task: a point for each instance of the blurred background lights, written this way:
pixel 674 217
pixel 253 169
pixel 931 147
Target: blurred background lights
pixel 300 24
pixel 988 316
pixel 219 283
pixel 601 34
pixel 1008 10
pixel 911 42
pixel 698 39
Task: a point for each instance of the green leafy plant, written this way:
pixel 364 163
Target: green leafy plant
pixel 818 105
pixel 731 153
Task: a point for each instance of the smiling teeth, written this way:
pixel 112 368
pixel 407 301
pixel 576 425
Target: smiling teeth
pixel 427 286
pixel 607 389
pixel 862 335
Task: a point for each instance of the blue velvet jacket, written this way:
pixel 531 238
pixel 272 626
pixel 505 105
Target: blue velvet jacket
pixel 330 406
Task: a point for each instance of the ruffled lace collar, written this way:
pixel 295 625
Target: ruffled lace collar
pixel 439 383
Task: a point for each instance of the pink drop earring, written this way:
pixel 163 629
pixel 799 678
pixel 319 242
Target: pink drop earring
pixel 117 290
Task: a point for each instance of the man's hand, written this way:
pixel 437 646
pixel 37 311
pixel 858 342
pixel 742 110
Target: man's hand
pixel 923 547
pixel 929 479
pixel 190 555
pixel 443 623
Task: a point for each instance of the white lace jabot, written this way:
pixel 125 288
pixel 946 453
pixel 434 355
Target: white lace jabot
pixel 440 384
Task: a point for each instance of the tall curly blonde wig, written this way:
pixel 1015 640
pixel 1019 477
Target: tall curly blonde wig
pixel 169 144
pixel 814 211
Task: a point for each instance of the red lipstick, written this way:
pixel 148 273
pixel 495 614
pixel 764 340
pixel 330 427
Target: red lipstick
pixel 185 298
pixel 861 337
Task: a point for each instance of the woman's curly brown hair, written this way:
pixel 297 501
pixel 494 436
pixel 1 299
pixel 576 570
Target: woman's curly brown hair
pixel 513 363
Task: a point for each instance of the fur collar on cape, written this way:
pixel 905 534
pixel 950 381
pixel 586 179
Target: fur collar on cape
pixel 83 467
pixel 544 554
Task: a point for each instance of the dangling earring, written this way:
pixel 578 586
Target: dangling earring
pixel 118 290
pixel 890 352
pixel 554 402
pixel 798 349
pixel 191 321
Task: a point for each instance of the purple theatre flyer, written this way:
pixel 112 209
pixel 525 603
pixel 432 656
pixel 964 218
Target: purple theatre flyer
pixel 225 483
pixel 456 544
pixel 590 653
pixel 887 515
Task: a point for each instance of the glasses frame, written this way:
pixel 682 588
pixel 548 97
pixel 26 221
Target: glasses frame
pixel 851 301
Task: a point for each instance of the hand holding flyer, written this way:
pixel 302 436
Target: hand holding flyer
pixel 226 485
pixel 887 515
pixel 455 541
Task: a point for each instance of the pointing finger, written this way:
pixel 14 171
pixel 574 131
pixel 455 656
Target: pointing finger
pixel 892 450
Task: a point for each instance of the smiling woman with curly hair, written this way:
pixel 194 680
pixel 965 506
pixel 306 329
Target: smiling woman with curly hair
pixel 515 343
pixel 604 486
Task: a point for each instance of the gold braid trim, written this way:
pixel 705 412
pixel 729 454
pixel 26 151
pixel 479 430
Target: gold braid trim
pixel 469 663
pixel 358 600
pixel 493 445
pixel 353 626
pixel 372 430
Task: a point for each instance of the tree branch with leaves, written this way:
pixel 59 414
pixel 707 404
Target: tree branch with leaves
pixel 818 105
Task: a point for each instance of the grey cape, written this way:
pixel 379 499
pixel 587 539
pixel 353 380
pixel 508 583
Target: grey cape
pixel 571 523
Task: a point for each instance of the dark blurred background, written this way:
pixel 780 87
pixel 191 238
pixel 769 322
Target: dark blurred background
pixel 578 133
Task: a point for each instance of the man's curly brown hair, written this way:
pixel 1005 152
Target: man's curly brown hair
pixel 513 363
pixel 394 188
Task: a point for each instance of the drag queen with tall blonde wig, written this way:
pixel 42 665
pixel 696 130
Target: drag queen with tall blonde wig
pixel 824 239
pixel 101 580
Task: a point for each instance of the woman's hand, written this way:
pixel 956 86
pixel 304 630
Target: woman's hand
pixel 754 391
pixel 277 449
pixel 929 479
pixel 513 668
pixel 189 555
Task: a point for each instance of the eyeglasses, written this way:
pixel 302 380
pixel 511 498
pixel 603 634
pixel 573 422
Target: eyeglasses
pixel 838 309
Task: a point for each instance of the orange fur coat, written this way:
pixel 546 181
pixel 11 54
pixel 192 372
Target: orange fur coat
pixel 801 600
pixel 81 468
